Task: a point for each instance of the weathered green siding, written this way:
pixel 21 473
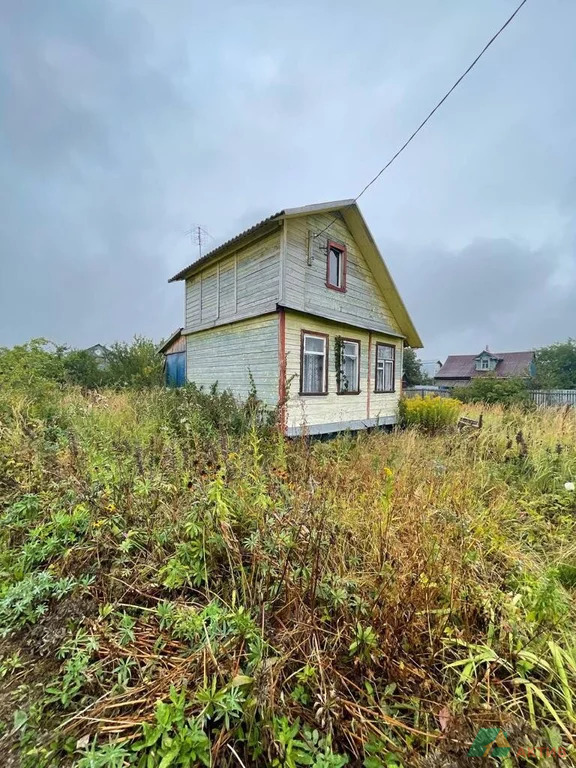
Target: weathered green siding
pixel 305 283
pixel 242 284
pixel 228 354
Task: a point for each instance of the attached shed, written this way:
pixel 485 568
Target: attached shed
pixel 174 351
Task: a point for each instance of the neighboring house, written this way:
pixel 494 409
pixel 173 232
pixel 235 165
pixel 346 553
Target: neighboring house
pixel 281 302
pixel 100 353
pixel 174 351
pixel 458 370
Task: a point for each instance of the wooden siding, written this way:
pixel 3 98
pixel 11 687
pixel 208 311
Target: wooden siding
pixel 240 285
pixel 332 408
pixel 305 276
pixel 209 295
pixel 178 345
pixel 229 353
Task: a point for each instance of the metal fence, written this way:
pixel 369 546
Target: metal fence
pixel 424 391
pixel 539 396
pixel 554 396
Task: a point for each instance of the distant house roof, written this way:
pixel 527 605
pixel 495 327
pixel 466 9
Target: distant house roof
pixel 99 350
pixel 509 364
pixel 355 222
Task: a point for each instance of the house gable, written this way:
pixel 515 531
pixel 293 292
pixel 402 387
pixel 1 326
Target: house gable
pixel 306 287
pixel 284 259
pixel 486 361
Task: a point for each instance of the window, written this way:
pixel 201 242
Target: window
pixel 385 364
pixel 314 365
pixel 485 364
pixel 349 374
pixel 336 266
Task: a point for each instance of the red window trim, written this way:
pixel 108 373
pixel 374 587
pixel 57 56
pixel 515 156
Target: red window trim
pixel 342 248
pixel 384 391
pixel 351 391
pixel 304 332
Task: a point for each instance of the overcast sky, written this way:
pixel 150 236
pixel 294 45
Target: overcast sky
pixel 124 123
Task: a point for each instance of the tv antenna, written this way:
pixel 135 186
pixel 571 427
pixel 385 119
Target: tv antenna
pixel 197 235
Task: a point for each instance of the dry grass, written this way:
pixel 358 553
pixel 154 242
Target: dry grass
pixel 373 600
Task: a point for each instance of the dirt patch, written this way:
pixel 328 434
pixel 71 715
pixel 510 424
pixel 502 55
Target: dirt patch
pixel 48 634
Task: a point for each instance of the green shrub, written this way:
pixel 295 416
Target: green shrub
pixel 136 364
pixel 31 374
pixel 489 389
pixel 429 413
pixel 83 368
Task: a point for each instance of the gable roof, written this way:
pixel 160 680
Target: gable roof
pixel 355 222
pixel 464 366
pixel 96 348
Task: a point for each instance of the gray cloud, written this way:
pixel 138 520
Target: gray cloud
pixel 493 291
pixel 126 122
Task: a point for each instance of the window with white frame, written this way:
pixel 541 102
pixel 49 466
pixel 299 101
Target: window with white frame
pixel 485 364
pixel 385 364
pixel 314 366
pixel 349 374
pixel 336 267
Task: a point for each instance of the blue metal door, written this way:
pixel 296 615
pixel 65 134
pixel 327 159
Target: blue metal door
pixel 176 369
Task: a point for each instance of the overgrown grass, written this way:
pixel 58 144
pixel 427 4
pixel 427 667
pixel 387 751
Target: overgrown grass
pixel 180 586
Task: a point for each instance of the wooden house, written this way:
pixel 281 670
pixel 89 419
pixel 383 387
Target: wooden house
pixel 303 304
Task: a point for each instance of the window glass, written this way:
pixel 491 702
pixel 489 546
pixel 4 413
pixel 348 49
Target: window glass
pixel 314 365
pixel 334 267
pixel 385 356
pixel 349 378
pixel 314 344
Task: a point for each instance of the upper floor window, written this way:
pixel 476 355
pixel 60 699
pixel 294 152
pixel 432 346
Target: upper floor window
pixel 485 364
pixel 349 374
pixel 313 364
pixel 385 365
pixel 336 266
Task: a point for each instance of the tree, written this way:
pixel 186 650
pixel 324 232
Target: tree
pixel 37 360
pixel 412 369
pixel 35 371
pixel 82 368
pixel 490 389
pixel 137 364
pixel 556 366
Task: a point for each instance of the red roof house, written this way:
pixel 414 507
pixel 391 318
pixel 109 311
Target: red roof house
pixel 458 370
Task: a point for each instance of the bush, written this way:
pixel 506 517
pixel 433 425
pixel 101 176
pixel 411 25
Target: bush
pixel 492 390
pixel 83 369
pixel 31 375
pixel 136 365
pixel 430 413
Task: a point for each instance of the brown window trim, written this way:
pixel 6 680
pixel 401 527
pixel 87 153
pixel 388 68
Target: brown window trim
pixel 352 391
pixel 342 248
pixel 304 332
pixel 384 391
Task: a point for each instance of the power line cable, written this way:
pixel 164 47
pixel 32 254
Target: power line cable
pixel 430 114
